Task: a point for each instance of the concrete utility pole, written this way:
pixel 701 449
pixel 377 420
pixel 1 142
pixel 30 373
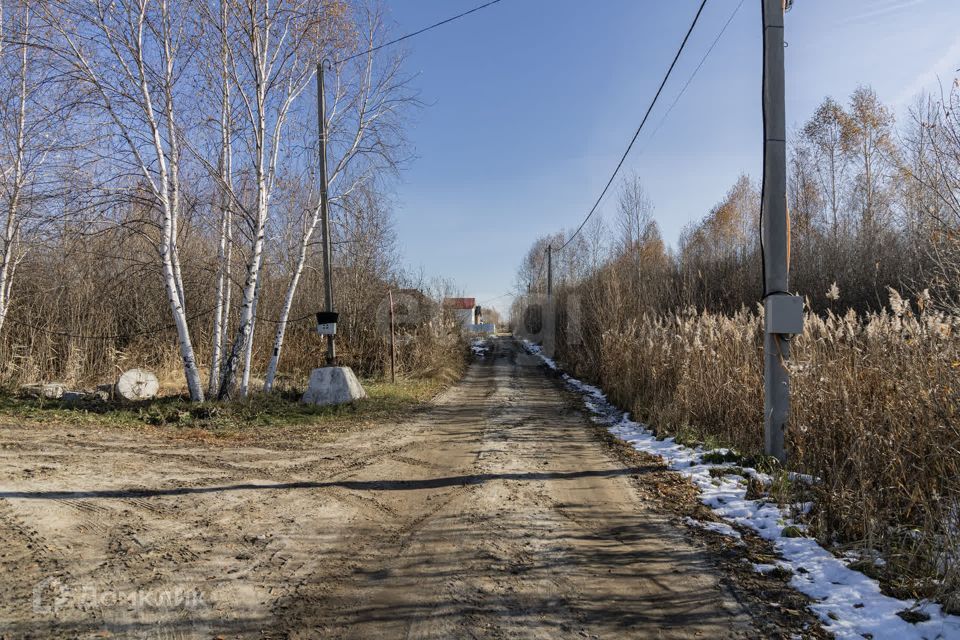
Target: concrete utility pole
pixel 783 313
pixel 324 217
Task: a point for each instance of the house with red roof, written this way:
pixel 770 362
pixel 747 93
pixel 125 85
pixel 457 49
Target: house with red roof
pixel 466 310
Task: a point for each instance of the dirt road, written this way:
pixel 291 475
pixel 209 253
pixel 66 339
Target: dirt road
pixel 494 514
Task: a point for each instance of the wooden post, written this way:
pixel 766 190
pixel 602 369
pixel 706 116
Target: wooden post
pixel 393 344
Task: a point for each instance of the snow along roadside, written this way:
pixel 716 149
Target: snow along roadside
pixel 849 604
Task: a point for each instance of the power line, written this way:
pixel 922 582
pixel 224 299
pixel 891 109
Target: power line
pixel 288 320
pixel 502 295
pixel 416 33
pixel 637 133
pixel 153 330
pixel 543 263
pixel 119 336
pixel 696 70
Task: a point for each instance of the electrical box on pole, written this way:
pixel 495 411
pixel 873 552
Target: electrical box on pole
pixel 327 323
pixel 783 313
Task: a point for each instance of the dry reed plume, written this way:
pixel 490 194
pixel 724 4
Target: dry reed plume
pixel 873 417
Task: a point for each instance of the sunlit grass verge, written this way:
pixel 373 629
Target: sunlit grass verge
pixel 259 416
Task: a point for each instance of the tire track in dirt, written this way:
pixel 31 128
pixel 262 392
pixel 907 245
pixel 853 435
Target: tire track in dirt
pixel 495 513
pixel 33 578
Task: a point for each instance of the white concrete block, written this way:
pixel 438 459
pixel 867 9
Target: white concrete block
pixel 333 385
pixel 49 390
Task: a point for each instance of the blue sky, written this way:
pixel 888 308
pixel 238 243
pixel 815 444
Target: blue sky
pixel 531 102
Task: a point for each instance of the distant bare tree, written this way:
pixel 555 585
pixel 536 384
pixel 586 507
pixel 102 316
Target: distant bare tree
pixel 868 141
pixel 824 133
pixel 634 214
pixel 19 160
pixel 935 170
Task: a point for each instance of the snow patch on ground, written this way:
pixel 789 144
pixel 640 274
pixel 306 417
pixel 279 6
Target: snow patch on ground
pixel 765 568
pixel 480 347
pixel 717 527
pixel 849 603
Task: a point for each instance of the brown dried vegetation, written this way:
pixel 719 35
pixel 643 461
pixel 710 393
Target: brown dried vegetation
pixel 676 338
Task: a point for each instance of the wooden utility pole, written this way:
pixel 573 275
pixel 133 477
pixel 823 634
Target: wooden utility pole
pixel 324 217
pixel 783 313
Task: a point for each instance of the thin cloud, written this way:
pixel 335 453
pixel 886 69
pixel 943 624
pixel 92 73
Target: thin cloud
pixel 895 6
pixel 943 68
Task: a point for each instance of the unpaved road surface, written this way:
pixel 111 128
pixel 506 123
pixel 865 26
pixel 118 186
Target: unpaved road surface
pixel 494 514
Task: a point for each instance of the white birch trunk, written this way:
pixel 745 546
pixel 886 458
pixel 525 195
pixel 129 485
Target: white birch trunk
pixel 266 148
pixel 245 327
pixel 228 292
pixel 278 52
pixel 174 288
pixel 287 305
pixel 219 308
pixel 250 288
pixel 248 354
pixel 12 223
pixel 224 251
pixel 7 260
pixel 171 185
pixel 130 39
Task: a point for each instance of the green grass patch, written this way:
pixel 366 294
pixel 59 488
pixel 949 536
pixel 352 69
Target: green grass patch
pixel 720 472
pixel 255 415
pixel 721 456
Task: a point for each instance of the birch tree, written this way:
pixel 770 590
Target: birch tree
pixel 825 134
pixel 370 96
pixel 274 51
pixel 32 111
pixel 219 63
pixel 13 115
pixel 131 56
pixel 868 139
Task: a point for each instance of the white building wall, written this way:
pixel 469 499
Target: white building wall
pixel 465 316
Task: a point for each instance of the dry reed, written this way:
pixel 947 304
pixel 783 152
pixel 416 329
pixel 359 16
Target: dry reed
pixel 873 417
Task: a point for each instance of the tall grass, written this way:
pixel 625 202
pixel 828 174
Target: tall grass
pixel 873 417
